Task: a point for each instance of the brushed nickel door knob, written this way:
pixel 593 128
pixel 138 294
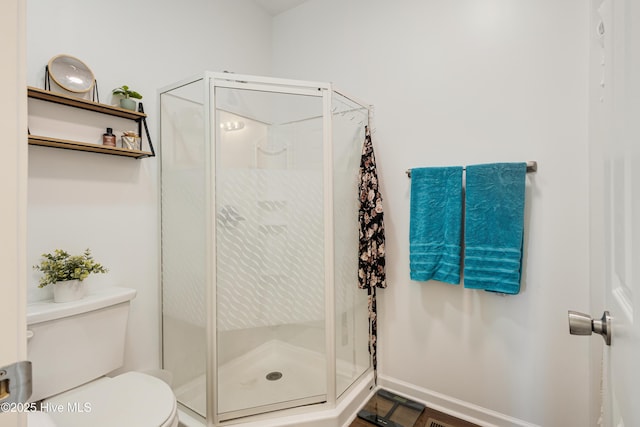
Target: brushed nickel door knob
pixel 583 324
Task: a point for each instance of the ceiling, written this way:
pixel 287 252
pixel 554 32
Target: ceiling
pixel 276 7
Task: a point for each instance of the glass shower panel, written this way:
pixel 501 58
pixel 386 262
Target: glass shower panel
pixel 184 211
pixel 270 307
pixel 352 327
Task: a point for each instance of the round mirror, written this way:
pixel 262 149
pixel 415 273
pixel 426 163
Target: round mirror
pixel 71 74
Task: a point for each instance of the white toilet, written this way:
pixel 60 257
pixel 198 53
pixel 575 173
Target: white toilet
pixel 72 346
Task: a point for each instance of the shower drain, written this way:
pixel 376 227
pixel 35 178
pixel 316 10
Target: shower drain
pixel 274 376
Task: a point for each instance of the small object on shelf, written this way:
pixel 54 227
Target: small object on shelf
pixel 109 138
pixel 70 73
pixel 127 103
pixel 131 140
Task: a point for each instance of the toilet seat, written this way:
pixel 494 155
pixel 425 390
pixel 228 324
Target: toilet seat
pixel 130 399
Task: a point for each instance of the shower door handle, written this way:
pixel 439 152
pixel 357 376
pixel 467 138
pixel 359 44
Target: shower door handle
pixel 583 324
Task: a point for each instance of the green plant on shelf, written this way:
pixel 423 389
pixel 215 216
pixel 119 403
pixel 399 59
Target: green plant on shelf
pixel 126 92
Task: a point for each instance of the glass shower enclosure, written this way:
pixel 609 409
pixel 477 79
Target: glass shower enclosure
pixel 259 213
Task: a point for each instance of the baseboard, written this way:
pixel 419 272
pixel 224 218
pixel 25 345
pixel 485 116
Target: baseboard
pixel 465 411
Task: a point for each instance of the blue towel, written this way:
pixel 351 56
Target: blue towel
pixel 435 224
pixel 494 226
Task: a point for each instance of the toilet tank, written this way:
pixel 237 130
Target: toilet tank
pixel 72 343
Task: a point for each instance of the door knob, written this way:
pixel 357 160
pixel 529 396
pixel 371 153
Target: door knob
pixel 583 324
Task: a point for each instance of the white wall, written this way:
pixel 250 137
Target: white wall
pixel 110 204
pixel 456 83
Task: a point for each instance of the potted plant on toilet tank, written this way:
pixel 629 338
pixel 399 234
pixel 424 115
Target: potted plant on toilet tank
pixel 66 273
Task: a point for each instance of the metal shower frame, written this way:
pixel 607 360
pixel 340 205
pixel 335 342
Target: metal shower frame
pixel 211 80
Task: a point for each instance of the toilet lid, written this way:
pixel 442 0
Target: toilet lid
pixel 130 399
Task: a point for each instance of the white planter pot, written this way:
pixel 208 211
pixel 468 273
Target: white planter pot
pixel 128 104
pixel 68 290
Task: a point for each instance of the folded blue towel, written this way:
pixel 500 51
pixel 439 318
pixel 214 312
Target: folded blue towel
pixel 494 226
pixel 435 224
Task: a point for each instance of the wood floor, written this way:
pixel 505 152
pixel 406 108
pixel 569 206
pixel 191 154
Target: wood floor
pixel 379 405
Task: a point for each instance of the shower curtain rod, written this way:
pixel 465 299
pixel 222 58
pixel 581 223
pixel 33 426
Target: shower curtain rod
pixel 532 166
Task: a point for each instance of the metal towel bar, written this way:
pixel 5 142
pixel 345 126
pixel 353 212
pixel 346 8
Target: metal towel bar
pixel 532 166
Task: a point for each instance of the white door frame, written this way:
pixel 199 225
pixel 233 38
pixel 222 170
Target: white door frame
pixel 13 191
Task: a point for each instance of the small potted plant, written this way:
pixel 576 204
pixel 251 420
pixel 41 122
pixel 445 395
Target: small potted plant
pixel 127 102
pixel 66 273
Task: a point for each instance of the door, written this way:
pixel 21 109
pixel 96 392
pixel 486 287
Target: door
pixel 271 241
pixel 615 207
pixel 13 180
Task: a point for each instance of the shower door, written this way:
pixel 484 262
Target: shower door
pixel 270 345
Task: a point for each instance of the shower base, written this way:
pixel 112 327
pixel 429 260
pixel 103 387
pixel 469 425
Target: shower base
pixel 274 372
pixel 193 395
pixel 245 383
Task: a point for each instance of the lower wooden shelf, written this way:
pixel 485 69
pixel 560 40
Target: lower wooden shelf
pixel 45 141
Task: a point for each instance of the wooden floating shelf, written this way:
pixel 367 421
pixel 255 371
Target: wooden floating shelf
pixel 45 141
pixel 58 98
